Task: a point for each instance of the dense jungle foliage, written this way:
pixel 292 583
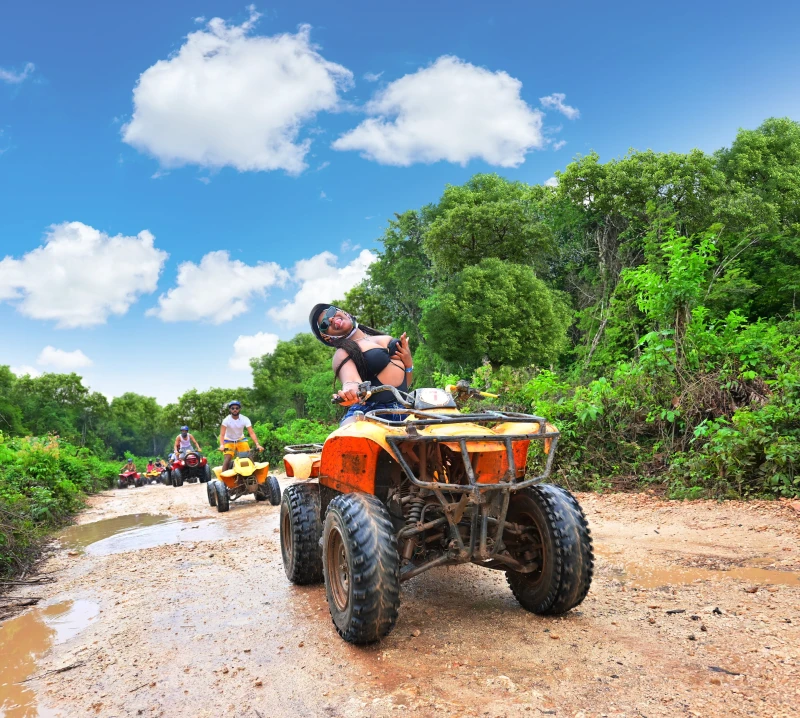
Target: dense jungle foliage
pixel 646 305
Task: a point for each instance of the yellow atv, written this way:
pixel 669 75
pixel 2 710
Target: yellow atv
pixel 400 491
pixel 244 477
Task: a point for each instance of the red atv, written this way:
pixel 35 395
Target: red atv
pixel 192 466
pixel 130 478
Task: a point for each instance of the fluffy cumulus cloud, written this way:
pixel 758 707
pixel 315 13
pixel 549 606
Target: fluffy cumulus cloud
pixel 15 77
pixel 60 360
pixel 248 347
pixel 556 102
pixel 319 279
pixel 229 97
pixel 217 290
pixel 552 182
pixel 451 111
pixel 81 275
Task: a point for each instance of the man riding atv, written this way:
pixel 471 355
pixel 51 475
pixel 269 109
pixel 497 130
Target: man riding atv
pixel 231 434
pixel 128 467
pixel 184 441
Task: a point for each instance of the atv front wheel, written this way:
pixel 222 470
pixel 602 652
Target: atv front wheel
pixel 212 493
pixel 122 484
pixel 557 541
pixel 206 477
pixel 301 530
pixel 223 498
pixel 361 567
pixel 177 477
pixel 274 490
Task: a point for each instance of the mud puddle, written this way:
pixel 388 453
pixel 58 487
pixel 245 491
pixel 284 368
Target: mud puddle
pixel 640 576
pixel 141 531
pixel 27 637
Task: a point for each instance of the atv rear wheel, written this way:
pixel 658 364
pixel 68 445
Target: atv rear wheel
pixel 558 539
pixel 206 476
pixel 122 484
pixel 212 493
pixel 177 477
pixel 223 498
pixel 301 530
pixel 361 567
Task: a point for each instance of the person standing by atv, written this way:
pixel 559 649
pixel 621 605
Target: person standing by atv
pixel 363 354
pixel 183 442
pixel 231 434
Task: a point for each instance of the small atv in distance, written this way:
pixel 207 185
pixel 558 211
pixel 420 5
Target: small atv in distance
pixel 152 477
pixel 244 477
pixel 130 478
pixel 397 498
pixel 193 466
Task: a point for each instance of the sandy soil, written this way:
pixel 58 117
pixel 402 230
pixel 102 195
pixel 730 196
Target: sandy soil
pixel 694 610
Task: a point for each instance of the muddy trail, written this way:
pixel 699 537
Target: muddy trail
pixel 162 607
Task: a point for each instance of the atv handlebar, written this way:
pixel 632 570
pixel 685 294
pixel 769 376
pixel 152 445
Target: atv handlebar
pixel 463 387
pixel 365 391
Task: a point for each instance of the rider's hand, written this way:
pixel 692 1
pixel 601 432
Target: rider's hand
pixel 222 447
pixel 349 396
pixel 259 447
pixel 403 352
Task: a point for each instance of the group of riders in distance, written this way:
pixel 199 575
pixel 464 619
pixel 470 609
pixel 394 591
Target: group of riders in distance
pixel 362 355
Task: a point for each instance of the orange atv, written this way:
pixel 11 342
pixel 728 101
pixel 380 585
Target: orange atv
pixel 244 477
pixel 393 499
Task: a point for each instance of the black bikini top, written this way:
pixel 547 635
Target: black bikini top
pixel 377 359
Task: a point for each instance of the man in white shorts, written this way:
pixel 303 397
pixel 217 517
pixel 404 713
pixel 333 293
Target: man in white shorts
pixel 231 434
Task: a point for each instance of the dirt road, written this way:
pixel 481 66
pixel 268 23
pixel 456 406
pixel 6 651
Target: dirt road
pixel 694 610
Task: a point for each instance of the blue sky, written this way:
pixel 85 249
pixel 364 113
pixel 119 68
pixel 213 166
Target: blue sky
pixel 139 142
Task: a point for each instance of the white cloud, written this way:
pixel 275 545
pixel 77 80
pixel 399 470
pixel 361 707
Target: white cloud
pixel 15 78
pixel 25 370
pixel 552 182
pixel 247 347
pixel 558 145
pixel 322 195
pixel 81 275
pixel 348 246
pixel 217 290
pixel 228 97
pixel 205 180
pixel 451 111
pixel 320 280
pixel 372 76
pixel 61 360
pixel 556 102
pixel 323 165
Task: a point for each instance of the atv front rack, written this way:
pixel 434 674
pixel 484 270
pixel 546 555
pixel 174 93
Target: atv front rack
pixel 509 480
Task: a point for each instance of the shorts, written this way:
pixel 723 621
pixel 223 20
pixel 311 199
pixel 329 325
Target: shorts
pixel 234 447
pixel 371 406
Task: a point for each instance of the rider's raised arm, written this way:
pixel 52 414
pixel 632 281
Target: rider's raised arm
pixel 348 375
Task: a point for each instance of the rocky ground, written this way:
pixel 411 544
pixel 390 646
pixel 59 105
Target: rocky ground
pixel 694 610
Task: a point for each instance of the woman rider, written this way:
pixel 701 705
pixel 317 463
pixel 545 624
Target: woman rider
pixel 363 354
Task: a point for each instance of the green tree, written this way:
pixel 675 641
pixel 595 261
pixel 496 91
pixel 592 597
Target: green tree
pixel 10 415
pixel 489 216
pixel 279 379
pixel 497 311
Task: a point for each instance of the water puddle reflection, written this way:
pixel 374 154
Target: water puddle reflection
pixel 640 576
pixel 27 637
pixel 140 531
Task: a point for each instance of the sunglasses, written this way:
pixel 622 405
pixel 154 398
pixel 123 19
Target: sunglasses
pixel 325 322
